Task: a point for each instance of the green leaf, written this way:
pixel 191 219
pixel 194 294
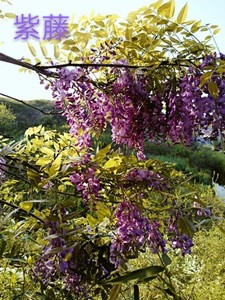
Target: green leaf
pixel 42 296
pixel 114 292
pixel 51 294
pixel 213 89
pixel 185 226
pixel 10 214
pixel 182 14
pixel 33 177
pixel 136 276
pixel 166 259
pixel 205 77
pixel 2 247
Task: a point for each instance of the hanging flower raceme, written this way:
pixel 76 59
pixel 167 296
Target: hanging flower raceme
pixel 85 106
pixel 179 240
pixel 133 233
pixel 147 178
pixel 135 110
pixel 86 182
pixel 88 107
pixel 59 261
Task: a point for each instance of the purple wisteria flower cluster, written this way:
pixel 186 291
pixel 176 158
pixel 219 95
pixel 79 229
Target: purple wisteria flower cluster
pixel 67 263
pixel 200 211
pixel 179 240
pixel 136 110
pixel 176 112
pixel 74 257
pixel 145 176
pixel 133 233
pixel 85 106
pixel 86 182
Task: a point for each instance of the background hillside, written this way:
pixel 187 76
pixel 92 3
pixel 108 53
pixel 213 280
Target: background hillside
pixel 19 116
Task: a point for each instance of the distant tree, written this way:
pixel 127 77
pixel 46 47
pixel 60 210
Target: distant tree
pixel 7 120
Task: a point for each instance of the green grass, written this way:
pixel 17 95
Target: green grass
pixel 199 161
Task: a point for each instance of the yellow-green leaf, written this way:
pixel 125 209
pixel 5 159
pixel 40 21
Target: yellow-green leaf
pixel 196 26
pixel 32 50
pixel 221 69
pixel 128 33
pixel 61 188
pixel 171 9
pixel 103 152
pixel 213 26
pixel 156 4
pixel 164 7
pixel 43 49
pixel 92 221
pixel 69 42
pixel 113 163
pixel 167 9
pixel 42 161
pixel 13 278
pixel 55 166
pixel 56 51
pixel 47 151
pixel 33 177
pixel 102 211
pixel 216 31
pixel 182 14
pixel 30 260
pixel 10 15
pixel 186 226
pixel 27 206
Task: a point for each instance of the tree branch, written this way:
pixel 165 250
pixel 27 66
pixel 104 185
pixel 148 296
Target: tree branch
pixel 44 69
pixel 29 105
pixel 23 210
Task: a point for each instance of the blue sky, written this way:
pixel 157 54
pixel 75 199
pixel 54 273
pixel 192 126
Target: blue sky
pixel 26 86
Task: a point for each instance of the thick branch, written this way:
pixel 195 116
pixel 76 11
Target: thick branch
pixel 18 62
